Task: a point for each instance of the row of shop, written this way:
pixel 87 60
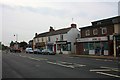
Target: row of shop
pixel 98 46
pixel 57 47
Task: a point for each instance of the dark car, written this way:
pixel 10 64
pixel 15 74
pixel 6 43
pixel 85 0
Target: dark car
pixel 48 52
pixel 37 51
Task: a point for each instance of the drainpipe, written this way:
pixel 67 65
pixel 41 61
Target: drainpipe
pixel 114 44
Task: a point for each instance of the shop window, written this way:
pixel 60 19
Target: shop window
pixel 104 30
pixel 69 46
pixel 87 32
pixel 105 44
pixel 91 46
pixel 66 47
pixel 95 32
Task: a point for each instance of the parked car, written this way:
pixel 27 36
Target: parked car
pixel 48 52
pixel 37 51
pixel 28 50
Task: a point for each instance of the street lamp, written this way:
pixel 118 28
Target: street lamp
pixel 16 37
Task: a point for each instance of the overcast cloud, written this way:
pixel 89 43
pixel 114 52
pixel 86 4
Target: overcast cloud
pixel 26 17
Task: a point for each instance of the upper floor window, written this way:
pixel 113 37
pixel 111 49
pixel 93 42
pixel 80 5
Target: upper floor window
pixel 49 38
pixel 42 39
pixel 61 37
pixel 95 32
pixel 98 23
pixel 37 40
pixel 104 30
pixel 87 32
pixel 78 35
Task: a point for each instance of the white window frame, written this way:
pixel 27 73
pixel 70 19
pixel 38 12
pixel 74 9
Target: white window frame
pixel 87 32
pixel 95 31
pixel 103 30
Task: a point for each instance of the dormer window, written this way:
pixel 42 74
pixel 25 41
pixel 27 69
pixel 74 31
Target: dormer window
pixel 104 30
pixel 87 32
pixel 95 32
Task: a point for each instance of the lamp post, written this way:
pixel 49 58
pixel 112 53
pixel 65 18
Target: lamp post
pixel 16 37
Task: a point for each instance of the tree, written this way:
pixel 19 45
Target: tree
pixel 4 47
pixel 23 44
pixel 12 43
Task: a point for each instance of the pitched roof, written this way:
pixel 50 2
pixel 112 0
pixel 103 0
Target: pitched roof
pixel 56 32
pixel 60 31
pixel 42 34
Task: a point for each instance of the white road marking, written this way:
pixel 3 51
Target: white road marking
pixel 108 74
pixel 108 67
pixel 112 69
pixel 69 66
pixel 80 65
pixel 97 59
pixel 23 56
pixel 51 62
pixel 108 60
pixel 103 60
pixel 99 70
pixel 75 64
pixel 36 58
pixel 65 62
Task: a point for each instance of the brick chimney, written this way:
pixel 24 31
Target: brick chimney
pixel 73 25
pixel 51 29
pixel 35 34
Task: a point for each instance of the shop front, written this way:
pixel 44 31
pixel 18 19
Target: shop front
pixel 93 46
pixel 63 47
pixel 50 46
pixel 40 45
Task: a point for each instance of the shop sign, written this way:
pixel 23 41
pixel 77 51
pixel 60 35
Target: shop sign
pixel 61 42
pixel 92 39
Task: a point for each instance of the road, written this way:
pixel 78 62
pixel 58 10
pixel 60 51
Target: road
pixel 22 65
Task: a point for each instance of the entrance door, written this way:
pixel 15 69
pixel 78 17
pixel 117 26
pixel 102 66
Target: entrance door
pixel 55 48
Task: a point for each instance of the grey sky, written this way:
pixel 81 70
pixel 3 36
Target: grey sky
pixel 26 17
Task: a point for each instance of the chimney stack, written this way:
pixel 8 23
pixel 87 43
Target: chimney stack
pixel 51 29
pixel 73 25
pixel 35 34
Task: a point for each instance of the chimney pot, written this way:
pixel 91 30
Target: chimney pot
pixel 73 25
pixel 35 34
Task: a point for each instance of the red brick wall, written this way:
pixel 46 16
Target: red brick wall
pixel 110 31
pixel 79 48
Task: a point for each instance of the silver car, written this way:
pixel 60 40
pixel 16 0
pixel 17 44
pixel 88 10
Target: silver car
pixel 28 50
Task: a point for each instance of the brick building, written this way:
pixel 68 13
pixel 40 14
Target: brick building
pixel 97 39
